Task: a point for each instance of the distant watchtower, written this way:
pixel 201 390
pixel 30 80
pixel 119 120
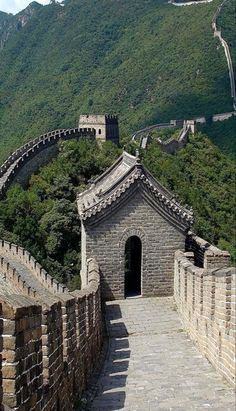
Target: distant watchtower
pixel 106 126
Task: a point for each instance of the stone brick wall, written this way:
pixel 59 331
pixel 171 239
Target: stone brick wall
pixel 173 144
pixel 21 254
pixel 205 299
pixel 11 276
pixel 28 168
pixel 22 352
pixel 50 349
pixel 106 241
pixel 205 254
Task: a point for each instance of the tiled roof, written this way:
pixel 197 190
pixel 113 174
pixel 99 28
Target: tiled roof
pixel 115 181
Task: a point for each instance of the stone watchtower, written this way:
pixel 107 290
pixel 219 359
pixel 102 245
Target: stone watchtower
pixel 132 226
pixel 106 126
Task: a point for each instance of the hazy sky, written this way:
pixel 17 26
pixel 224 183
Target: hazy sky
pixel 14 6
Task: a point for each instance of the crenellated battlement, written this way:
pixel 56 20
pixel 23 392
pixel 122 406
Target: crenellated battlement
pixel 111 119
pixel 14 252
pixel 206 255
pixel 27 159
pixel 49 138
pixel 50 340
pixel 205 298
pixel 11 276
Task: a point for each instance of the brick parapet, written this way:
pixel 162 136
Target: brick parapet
pixel 20 253
pixel 50 350
pixel 11 276
pixel 173 144
pixel 44 139
pixel 205 254
pixel 205 299
pixel 22 352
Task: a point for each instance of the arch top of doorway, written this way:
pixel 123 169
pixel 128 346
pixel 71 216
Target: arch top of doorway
pixel 131 232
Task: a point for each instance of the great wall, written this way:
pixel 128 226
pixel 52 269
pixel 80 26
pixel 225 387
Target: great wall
pixel 51 339
pixel 182 355
pixel 186 126
pixel 26 160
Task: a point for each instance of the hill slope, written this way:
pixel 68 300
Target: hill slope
pixel 146 60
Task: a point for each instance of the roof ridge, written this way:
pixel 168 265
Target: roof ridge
pixel 170 203
pixel 119 159
pixel 108 170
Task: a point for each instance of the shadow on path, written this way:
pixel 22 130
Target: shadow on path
pixel 152 365
pixel 110 393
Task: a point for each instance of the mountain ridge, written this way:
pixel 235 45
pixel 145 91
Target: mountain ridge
pixel 10 23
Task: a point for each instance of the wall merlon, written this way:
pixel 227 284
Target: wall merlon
pixel 205 254
pixel 23 255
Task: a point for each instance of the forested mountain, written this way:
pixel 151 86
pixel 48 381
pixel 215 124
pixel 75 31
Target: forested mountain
pixel 146 60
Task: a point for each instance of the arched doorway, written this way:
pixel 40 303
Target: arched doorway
pixel 133 266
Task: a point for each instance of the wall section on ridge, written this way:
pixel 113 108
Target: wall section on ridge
pixel 25 161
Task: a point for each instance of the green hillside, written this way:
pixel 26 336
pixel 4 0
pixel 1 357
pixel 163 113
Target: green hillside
pixel 222 134
pixel 145 60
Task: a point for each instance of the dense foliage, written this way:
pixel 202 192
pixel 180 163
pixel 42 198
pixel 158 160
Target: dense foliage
pixel 222 133
pixel 145 60
pixel 203 178
pixel 44 218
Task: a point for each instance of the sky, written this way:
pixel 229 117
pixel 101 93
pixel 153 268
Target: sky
pixel 14 6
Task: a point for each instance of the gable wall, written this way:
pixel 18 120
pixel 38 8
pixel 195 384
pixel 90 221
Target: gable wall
pixel 106 242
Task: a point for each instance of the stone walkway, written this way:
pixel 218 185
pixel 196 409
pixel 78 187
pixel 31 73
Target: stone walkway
pixel 152 365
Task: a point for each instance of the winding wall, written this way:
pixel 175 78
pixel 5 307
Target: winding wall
pixel 217 33
pixel 27 159
pixel 144 132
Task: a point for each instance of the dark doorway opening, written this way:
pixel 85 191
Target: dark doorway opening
pixel 133 266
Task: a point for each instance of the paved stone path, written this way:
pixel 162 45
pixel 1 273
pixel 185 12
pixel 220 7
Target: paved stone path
pixel 152 365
